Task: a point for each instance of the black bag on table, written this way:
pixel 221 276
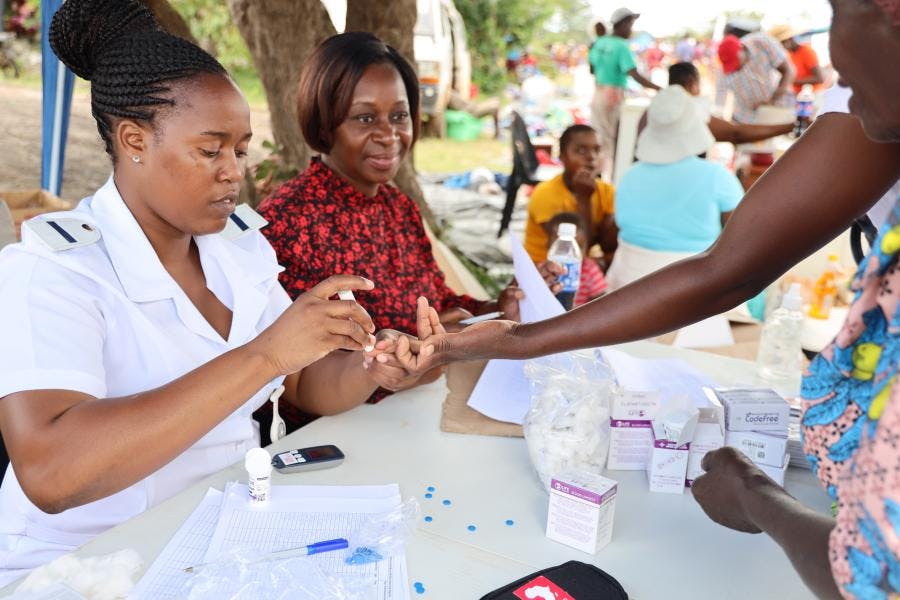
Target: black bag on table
pixel 573 580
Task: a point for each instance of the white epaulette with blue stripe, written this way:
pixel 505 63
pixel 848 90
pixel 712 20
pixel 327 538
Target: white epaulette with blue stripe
pixel 60 233
pixel 242 221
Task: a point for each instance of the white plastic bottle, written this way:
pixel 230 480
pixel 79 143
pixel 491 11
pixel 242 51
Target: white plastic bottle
pixel 258 463
pixel 565 252
pixel 780 359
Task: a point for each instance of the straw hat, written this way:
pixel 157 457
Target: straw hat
pixel 676 128
pixel 783 32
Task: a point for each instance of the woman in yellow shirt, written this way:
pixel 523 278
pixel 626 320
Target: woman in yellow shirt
pixel 577 189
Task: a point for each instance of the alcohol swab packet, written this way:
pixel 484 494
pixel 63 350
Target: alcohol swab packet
pixel 348 295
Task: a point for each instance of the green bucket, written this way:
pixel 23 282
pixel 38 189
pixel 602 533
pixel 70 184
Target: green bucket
pixel 462 126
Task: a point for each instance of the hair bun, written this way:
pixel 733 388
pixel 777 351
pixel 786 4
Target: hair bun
pixel 82 29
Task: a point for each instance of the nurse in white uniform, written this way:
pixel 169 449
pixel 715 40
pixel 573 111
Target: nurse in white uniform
pixel 136 338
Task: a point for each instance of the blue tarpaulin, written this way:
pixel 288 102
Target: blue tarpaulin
pixel 57 84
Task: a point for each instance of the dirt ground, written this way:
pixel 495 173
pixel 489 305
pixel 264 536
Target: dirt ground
pixel 87 165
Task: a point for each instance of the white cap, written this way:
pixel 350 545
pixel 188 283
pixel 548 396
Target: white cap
pixel 566 230
pixel 258 460
pixel 792 300
pixel 620 14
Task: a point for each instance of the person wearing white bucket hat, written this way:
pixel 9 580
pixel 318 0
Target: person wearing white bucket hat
pixel 671 204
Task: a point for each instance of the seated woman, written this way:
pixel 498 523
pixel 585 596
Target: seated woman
pixel 671 204
pixel 137 341
pixel 577 189
pixel 358 107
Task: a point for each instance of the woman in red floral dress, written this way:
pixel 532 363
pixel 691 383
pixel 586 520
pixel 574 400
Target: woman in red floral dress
pixel 358 107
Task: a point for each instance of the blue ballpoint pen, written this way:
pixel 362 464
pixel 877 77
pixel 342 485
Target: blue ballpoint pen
pixel 317 548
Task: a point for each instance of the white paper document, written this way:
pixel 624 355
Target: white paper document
pixel 502 392
pixel 539 302
pixel 708 333
pixel 672 377
pixel 297 516
pixel 166 577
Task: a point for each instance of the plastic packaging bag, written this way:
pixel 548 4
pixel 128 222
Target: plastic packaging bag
pixel 241 575
pixel 385 534
pixel 244 574
pixel 567 427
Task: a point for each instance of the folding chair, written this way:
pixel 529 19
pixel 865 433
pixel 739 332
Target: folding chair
pixel 525 166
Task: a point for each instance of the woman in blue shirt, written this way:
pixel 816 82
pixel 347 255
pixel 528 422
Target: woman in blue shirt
pixel 671 204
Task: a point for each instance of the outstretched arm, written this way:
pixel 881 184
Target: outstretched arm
pixel 802 202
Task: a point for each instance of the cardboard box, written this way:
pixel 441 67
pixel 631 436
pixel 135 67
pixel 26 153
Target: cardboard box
pixel 667 465
pixel 630 436
pixel 776 473
pixel 24 205
pixel 707 437
pixel 581 511
pixel 762 448
pixel 754 409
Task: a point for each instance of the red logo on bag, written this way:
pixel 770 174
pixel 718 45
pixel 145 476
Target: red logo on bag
pixel 541 588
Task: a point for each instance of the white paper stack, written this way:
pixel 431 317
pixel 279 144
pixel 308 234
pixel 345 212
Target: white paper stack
pixel 795 444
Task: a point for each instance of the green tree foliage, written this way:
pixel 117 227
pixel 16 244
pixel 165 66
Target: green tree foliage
pixel 211 25
pixel 490 23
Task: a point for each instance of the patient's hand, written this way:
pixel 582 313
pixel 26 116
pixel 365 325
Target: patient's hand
pixel 388 364
pixel 436 347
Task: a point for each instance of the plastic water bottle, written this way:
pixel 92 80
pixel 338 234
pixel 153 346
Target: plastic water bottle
pixel 779 358
pixel 805 101
pixel 565 252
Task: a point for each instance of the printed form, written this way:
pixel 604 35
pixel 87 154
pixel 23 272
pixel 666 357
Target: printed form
pixel 295 516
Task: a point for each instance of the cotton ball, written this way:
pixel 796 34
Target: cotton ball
pixel 108 577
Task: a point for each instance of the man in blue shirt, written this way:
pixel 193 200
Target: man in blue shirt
pixel 611 63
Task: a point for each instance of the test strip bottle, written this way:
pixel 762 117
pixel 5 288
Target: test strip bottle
pixel 259 475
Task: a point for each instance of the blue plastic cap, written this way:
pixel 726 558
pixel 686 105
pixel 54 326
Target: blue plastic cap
pixel 328 546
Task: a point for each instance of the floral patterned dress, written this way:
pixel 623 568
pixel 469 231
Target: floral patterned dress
pixel 320 226
pixel 851 426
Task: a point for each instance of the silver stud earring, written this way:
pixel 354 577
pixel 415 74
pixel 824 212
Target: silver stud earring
pixel 136 158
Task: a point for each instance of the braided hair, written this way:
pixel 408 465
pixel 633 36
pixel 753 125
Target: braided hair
pixel 129 59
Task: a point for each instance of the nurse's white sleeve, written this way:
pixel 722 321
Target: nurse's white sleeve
pixel 52 329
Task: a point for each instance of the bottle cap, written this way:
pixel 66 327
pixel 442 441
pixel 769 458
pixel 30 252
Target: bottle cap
pixel 566 230
pixel 257 459
pixel 792 300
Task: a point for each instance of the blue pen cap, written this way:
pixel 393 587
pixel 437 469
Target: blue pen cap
pixel 328 546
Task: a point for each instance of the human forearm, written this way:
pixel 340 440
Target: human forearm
pixel 111 443
pixel 643 80
pixel 334 384
pixel 740 133
pixel 801 532
pixel 788 74
pixel 780 221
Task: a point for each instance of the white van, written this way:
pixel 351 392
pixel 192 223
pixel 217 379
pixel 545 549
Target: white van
pixel 442 59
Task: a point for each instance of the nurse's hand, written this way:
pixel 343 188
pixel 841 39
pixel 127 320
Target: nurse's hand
pixel 730 480
pixel 314 326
